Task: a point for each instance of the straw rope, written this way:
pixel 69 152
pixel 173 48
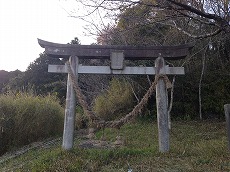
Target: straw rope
pixel 100 123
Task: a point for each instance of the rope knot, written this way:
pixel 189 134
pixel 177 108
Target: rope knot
pixel 166 80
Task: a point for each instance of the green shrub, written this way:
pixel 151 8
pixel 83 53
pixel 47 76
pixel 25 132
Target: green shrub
pixel 115 102
pixel 81 120
pixel 25 118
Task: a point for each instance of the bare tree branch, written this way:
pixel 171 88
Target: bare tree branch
pixel 196 11
pixel 200 83
pixel 195 36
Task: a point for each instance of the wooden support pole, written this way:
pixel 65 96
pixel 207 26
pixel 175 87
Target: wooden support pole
pixel 227 116
pixel 68 134
pixel 162 109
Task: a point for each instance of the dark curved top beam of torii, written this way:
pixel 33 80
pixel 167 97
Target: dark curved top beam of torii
pixel 104 51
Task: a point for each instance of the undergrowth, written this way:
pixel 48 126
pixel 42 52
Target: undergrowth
pixel 194 146
pixel 25 118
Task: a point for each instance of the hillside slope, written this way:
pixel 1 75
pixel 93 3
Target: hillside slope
pixel 195 146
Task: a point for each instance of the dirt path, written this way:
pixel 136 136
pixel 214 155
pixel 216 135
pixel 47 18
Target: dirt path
pixel 44 144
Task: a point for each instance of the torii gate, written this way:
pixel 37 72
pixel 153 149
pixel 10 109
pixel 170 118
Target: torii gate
pixel 117 55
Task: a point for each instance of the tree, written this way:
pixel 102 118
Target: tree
pixel 75 41
pixel 170 22
pixel 187 16
pixel 37 78
pixel 6 76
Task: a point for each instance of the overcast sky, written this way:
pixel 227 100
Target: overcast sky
pixel 23 21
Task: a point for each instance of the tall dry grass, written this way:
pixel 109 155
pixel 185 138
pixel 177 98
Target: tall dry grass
pixel 115 102
pixel 25 118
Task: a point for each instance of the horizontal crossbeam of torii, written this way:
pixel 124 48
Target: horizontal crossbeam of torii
pixel 141 70
pixel 117 54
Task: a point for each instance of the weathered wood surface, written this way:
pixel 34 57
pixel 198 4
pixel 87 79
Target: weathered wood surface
pixel 117 60
pixel 104 51
pixel 69 127
pixel 162 109
pixel 227 116
pixel 107 70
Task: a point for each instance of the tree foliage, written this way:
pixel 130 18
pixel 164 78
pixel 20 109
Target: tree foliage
pixel 171 22
pixel 37 78
pixel 6 76
pixel 137 25
pixel 194 18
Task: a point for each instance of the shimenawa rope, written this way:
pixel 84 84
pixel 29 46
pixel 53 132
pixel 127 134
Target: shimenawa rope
pixel 117 123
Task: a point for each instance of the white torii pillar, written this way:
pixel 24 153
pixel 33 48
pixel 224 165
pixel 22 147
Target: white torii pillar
pixel 162 106
pixel 69 123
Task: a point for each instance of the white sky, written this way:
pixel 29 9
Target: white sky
pixel 23 21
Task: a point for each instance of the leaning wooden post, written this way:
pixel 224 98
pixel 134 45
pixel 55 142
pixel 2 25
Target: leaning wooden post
pixel 227 116
pixel 68 134
pixel 162 109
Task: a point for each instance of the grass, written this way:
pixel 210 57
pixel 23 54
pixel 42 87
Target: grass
pixel 194 146
pixel 25 118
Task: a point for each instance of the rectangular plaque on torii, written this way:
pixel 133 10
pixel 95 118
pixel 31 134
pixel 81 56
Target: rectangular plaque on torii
pixel 117 54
